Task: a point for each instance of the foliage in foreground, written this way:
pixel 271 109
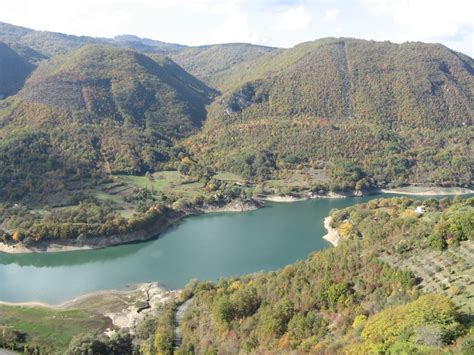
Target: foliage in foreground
pixel 339 300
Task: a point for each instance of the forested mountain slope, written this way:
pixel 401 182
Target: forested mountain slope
pixel 53 43
pixel 14 69
pixel 210 63
pixel 97 109
pixel 344 102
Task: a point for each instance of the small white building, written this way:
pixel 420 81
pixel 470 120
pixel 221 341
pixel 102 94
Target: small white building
pixel 420 209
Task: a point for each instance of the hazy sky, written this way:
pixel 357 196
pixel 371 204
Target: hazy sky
pixel 281 23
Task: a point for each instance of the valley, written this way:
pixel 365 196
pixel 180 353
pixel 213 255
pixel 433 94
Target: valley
pixel 123 160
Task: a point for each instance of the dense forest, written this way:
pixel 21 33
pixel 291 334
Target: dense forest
pixel 412 102
pixel 14 69
pixel 96 111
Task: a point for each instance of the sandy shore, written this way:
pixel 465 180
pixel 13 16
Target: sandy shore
pixel 51 248
pixel 234 206
pixel 79 300
pixel 284 198
pixel 428 191
pixel 332 235
pixel 307 196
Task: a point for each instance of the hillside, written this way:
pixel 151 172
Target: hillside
pixel 413 101
pixel 211 63
pixel 52 43
pixel 95 110
pixel 214 64
pixel 348 299
pixel 14 70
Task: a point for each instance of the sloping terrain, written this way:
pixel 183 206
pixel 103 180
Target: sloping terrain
pixel 366 114
pixel 53 43
pixel 14 70
pixel 342 102
pixel 214 64
pixel 97 109
pixel 348 299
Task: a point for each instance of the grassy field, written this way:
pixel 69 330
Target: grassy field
pixel 166 182
pixel 225 176
pixel 51 329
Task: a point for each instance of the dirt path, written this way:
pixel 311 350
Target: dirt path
pixel 179 317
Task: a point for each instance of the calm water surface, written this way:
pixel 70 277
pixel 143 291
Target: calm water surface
pixel 203 247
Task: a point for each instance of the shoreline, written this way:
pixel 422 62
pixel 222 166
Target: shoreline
pixel 124 307
pixel 429 191
pixel 332 236
pixel 307 196
pixel 78 300
pixel 149 233
pixel 160 226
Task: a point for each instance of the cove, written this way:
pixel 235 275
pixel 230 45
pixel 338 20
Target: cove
pixel 204 247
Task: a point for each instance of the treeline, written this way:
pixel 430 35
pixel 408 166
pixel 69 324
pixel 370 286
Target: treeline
pixel 443 223
pixel 87 220
pixel 343 299
pixel 259 148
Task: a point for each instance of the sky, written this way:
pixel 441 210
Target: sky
pixel 279 23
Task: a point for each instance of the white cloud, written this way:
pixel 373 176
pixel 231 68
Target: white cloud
pixel 293 19
pixel 426 20
pixel 331 14
pixel 274 22
pixel 234 28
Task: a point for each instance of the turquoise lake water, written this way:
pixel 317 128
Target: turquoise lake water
pixel 204 247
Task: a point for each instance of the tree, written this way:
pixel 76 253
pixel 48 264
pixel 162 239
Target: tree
pixel 150 180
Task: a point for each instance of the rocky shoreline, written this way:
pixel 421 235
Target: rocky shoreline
pixel 332 235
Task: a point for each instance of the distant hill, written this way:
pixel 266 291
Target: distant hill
pixel 213 63
pixel 146 44
pixel 209 63
pixel 53 43
pixel 340 102
pixel 98 109
pixel 14 69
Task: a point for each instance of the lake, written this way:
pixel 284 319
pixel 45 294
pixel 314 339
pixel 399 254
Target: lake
pixel 207 247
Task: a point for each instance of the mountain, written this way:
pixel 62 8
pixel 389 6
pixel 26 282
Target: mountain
pixel 97 109
pixel 44 42
pixel 368 114
pixel 146 45
pixel 14 69
pixel 214 63
pixel 53 43
pixel 366 111
pixel 209 63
